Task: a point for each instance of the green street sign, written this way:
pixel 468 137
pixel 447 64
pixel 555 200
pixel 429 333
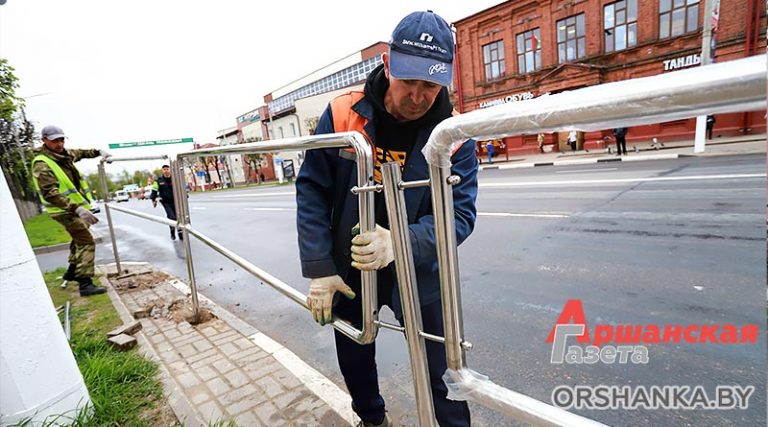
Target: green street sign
pixel 148 143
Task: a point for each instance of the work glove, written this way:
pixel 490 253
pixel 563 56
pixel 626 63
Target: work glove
pixel 320 298
pixel 372 250
pixel 106 155
pixel 86 216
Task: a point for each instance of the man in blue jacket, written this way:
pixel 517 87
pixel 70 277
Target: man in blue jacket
pixel 403 100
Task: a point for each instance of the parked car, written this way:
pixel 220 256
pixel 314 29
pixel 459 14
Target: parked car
pixel 121 196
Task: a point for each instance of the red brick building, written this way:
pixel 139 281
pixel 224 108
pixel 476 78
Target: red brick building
pixel 527 48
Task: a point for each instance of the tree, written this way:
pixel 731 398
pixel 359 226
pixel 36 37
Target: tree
pixel 16 137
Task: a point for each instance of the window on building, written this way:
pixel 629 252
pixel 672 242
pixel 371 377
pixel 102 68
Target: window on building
pixel 280 129
pixel 293 129
pixel 529 51
pixel 677 17
pixel 620 25
pixel 571 41
pixel 493 58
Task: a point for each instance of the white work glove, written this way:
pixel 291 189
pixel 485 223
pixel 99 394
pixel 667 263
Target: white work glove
pixel 86 216
pixel 320 298
pixel 106 155
pixel 372 250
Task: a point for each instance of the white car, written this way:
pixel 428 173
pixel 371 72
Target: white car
pixel 121 196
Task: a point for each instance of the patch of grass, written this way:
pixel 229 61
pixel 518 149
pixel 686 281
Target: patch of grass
pixel 123 385
pixel 42 230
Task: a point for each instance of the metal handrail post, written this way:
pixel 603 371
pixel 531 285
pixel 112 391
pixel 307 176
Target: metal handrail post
pixel 448 265
pixel 182 207
pixel 105 193
pixel 406 279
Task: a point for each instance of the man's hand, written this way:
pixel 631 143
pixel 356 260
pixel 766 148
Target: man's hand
pixel 372 250
pixel 320 298
pixel 86 216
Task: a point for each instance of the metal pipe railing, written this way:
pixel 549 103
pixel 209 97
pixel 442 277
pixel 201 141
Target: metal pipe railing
pixel 727 87
pixel 369 327
pixel 181 203
pixel 108 207
pixel 406 280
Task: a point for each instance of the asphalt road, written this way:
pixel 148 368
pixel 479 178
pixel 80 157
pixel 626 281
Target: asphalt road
pixel 654 242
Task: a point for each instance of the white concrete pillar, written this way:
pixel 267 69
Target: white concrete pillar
pixel 38 373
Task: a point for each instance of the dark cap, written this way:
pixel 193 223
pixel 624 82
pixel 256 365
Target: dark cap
pixel 422 49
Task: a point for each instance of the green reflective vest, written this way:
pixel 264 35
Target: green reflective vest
pixel 66 187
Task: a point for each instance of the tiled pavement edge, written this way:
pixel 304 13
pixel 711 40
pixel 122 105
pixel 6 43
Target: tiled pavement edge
pixel 225 369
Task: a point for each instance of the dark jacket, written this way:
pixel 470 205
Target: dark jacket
pixel 163 188
pixel 620 132
pixel 46 179
pixel 327 210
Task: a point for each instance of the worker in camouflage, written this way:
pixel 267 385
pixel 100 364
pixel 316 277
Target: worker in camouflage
pixel 67 198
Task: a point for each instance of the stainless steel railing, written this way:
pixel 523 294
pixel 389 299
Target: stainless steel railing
pixel 370 324
pixel 727 87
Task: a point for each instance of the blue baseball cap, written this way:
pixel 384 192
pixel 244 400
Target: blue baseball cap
pixel 422 49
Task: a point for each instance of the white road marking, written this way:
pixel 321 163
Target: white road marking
pixel 270 209
pixel 236 196
pixel 621 180
pixel 198 208
pixel 522 215
pixel 588 170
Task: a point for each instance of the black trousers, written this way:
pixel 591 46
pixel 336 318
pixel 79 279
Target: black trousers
pixel 170 213
pixel 621 144
pixel 358 366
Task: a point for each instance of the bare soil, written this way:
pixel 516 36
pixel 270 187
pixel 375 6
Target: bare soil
pixel 140 281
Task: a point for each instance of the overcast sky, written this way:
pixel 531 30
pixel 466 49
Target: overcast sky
pixel 108 71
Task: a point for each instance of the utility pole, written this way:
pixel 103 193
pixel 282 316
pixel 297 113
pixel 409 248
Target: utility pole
pixel 706 51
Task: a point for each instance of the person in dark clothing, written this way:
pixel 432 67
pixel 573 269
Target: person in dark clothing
pixel 163 188
pixel 402 102
pixel 621 140
pixel 710 125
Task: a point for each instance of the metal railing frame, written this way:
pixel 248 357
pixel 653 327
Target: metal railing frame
pixel 714 89
pixel 728 87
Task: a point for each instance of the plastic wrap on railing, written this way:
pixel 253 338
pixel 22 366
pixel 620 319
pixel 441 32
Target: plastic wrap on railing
pixel 466 384
pixel 727 87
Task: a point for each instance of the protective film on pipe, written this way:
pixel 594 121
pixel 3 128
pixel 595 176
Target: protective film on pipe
pixel 468 385
pixel 727 87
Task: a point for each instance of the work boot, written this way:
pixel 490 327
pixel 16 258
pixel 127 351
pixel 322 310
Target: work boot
pixel 181 235
pixel 384 423
pixel 87 288
pixel 173 234
pixel 70 274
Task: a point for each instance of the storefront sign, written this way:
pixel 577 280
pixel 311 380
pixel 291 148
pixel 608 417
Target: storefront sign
pixel 682 62
pixel 507 99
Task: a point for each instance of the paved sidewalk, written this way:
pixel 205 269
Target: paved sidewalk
pixel 222 369
pixel 748 144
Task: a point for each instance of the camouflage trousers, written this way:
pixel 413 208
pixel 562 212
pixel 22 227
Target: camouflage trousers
pixel 82 249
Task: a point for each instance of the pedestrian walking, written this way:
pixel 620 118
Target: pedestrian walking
pixel 67 199
pixel 572 138
pixel 621 140
pixel 489 148
pixel 162 188
pixel 403 100
pixel 710 125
